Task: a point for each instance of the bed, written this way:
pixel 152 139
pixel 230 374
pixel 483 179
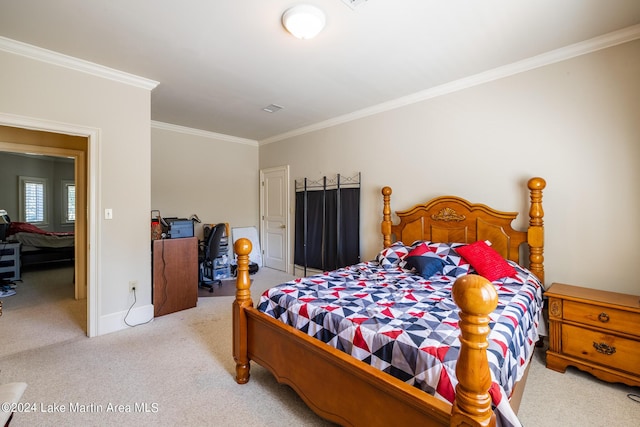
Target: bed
pixel 41 247
pixel 349 391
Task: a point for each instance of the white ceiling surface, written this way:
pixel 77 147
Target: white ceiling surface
pixel 219 62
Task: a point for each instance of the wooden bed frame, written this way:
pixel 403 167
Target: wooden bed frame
pixel 343 389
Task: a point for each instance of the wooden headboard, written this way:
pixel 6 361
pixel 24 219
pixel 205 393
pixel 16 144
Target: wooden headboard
pixel 453 219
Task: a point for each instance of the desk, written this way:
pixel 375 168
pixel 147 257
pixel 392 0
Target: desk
pixel 175 275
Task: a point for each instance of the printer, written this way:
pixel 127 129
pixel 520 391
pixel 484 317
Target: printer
pixel 179 228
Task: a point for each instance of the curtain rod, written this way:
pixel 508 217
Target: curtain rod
pixel 324 182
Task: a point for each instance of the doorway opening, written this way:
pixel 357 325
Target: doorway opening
pixel 23 141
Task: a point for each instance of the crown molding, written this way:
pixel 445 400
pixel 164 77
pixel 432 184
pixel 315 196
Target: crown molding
pixel 582 48
pixel 202 133
pixel 55 58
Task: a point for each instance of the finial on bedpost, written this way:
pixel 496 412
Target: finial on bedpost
pixel 477 298
pixel 386 217
pixel 535 234
pixel 242 248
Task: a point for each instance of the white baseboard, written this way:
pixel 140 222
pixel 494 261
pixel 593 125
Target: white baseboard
pixel 116 321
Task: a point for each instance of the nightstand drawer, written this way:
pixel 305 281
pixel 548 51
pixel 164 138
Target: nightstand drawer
pixel 602 317
pixel 602 348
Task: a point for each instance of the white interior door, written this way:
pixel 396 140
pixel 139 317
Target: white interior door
pixel 274 215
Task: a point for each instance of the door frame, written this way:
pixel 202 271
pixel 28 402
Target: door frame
pixel 86 165
pixel 287 220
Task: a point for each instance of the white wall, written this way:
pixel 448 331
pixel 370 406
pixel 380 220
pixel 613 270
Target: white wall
pixel 204 174
pixel 575 123
pixel 120 115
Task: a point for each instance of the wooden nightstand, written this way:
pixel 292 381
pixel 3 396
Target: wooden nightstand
pixel 595 331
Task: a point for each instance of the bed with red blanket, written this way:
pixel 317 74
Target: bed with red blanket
pixel 41 247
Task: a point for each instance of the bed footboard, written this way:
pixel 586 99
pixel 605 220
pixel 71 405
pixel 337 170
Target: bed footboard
pixel 280 348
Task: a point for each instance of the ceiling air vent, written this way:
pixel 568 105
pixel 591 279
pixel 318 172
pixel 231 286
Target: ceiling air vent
pixel 272 108
pixel 353 3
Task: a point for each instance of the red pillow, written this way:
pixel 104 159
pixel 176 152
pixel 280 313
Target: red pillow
pixel 486 261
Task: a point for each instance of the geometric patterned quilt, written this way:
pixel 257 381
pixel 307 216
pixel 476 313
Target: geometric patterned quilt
pixel 407 326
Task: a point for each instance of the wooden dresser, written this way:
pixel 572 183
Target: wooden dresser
pixel 595 331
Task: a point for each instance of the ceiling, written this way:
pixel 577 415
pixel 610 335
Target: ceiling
pixel 220 62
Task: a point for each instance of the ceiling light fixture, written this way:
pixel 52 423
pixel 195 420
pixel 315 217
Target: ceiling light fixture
pixel 304 21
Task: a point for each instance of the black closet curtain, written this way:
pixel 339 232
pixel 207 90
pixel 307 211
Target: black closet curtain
pixel 333 228
pixel 314 229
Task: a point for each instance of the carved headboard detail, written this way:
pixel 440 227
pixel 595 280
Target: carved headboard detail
pixel 448 214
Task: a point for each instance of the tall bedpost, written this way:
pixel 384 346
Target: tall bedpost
pixel 535 234
pixel 477 298
pixel 242 248
pixel 386 217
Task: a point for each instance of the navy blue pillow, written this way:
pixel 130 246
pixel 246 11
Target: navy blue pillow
pixel 425 266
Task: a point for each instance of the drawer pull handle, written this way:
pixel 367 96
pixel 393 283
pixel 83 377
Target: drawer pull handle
pixel 603 317
pixel 604 348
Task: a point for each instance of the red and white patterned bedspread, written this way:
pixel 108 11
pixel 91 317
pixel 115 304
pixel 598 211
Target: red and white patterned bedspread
pixel 31 236
pixel 407 326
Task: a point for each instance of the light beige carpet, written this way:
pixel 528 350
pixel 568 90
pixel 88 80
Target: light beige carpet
pixel 42 312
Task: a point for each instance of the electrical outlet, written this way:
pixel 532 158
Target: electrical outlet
pixel 133 285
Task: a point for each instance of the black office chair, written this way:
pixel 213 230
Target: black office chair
pixel 209 251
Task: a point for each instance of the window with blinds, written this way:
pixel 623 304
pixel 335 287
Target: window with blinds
pixel 69 201
pixel 33 193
